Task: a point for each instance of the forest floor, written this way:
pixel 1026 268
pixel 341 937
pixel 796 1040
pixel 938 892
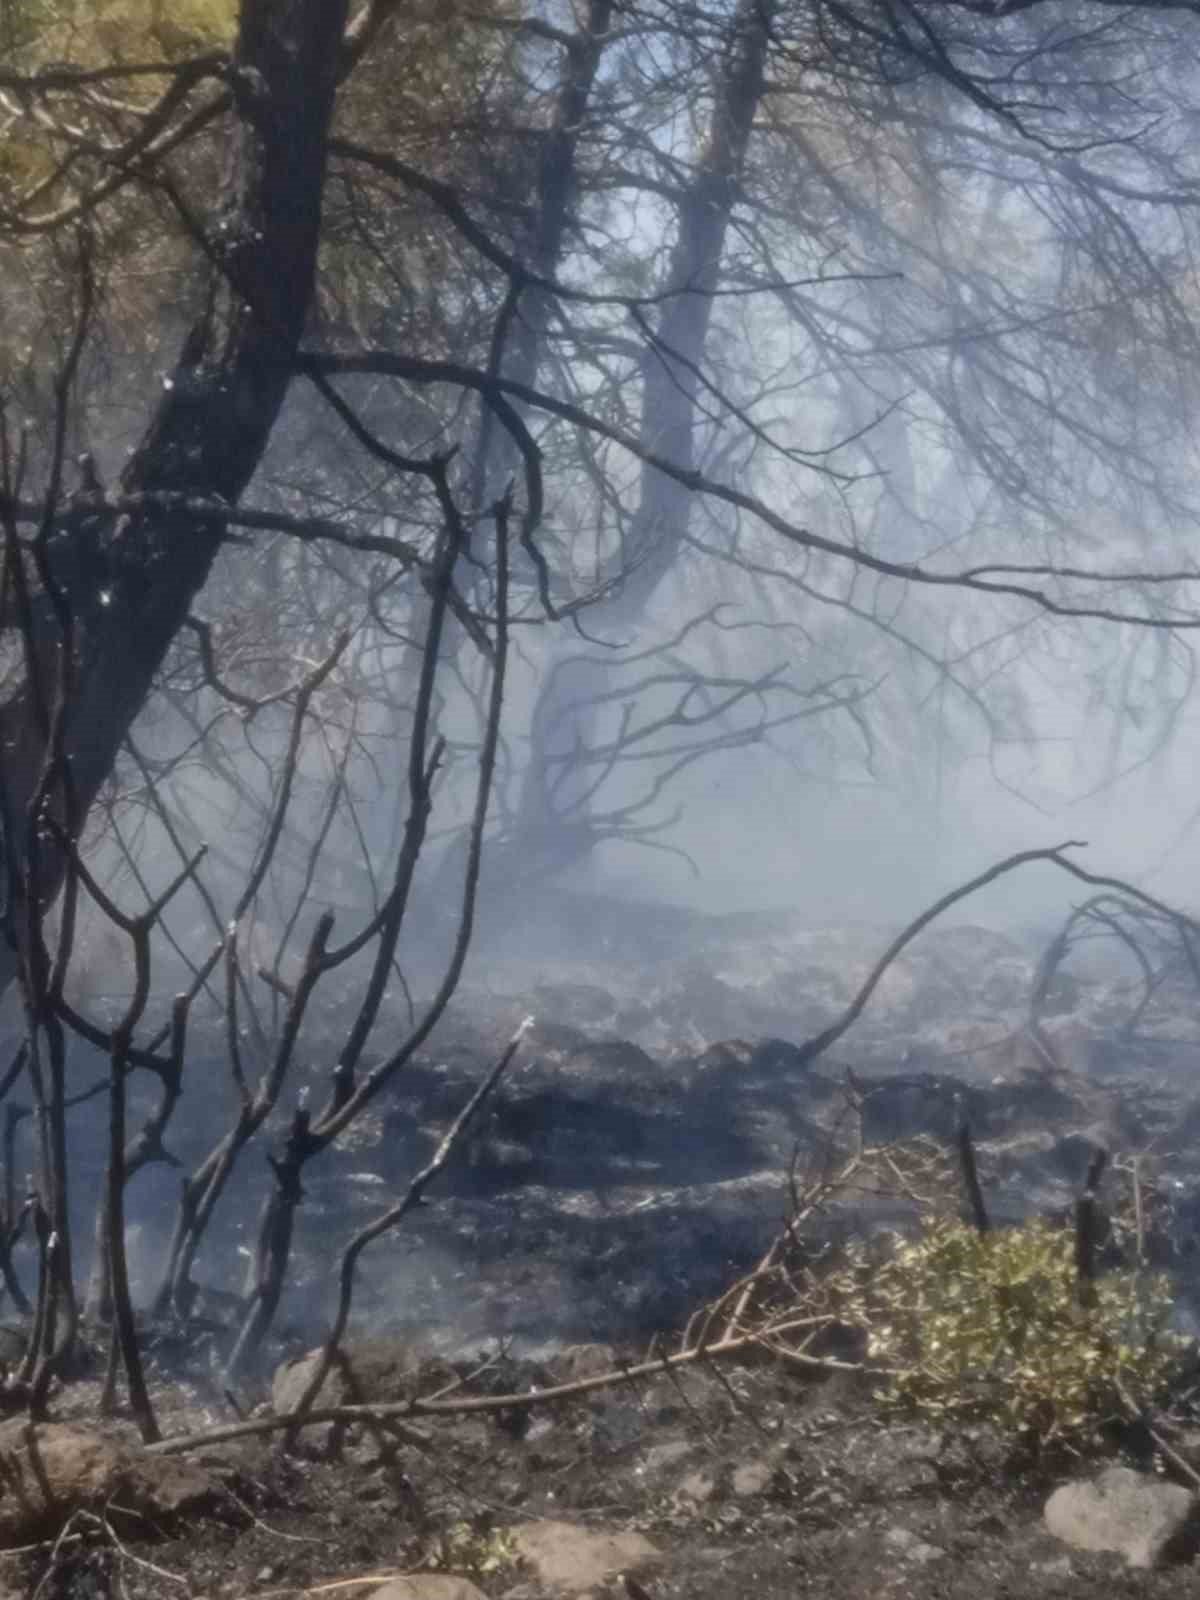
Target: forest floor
pixel 633 1165
pixel 746 1480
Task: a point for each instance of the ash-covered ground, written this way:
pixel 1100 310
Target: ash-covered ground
pixel 638 1153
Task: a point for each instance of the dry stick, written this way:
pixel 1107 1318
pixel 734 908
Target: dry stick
pixel 820 1042
pixel 1111 920
pixel 42 981
pixel 1087 1229
pixel 124 1331
pixel 307 1139
pixel 1139 1210
pixel 14 1217
pixel 201 1191
pixel 965 1146
pixel 273 1252
pixel 504 1402
pixel 347 1098
pixel 813 1197
pixel 396 1214
pixel 148 1146
pixel 1051 959
pixel 145 1146
pixel 1138 1414
pixel 37 1335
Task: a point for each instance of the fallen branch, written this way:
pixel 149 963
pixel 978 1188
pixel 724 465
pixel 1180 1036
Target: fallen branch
pixel 1167 1451
pixel 500 1402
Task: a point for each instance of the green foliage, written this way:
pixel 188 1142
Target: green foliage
pixel 990 1327
pixel 476 1549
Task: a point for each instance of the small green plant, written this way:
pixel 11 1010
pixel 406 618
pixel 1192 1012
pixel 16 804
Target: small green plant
pixel 989 1326
pixel 476 1549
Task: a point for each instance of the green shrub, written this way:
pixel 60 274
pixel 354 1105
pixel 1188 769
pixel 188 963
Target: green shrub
pixel 989 1327
pixel 475 1549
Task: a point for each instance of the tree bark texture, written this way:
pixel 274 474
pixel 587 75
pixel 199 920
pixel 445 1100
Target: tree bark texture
pixel 213 419
pixel 670 390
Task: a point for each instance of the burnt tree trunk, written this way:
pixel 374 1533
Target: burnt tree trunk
pixel 211 423
pixel 206 436
pixel 671 389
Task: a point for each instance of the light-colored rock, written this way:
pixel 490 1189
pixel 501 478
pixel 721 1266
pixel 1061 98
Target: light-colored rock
pixel 367 1370
pixel 1147 1521
pixel 292 1378
pixel 428 1586
pixel 55 1469
pixel 1060 1567
pixel 573 1559
pixel 584 1361
pixel 911 1547
pixel 752 1477
pixel 288 1387
pixel 667 1454
pixel 695 1489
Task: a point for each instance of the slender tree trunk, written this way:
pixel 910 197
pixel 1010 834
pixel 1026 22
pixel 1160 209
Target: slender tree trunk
pixel 671 386
pixel 213 419
pixel 521 343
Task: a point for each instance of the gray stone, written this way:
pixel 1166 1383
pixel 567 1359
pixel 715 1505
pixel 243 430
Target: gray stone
pixel 428 1586
pixel 367 1370
pixel 584 1361
pixel 1147 1521
pixel 667 1454
pixel 912 1548
pixel 292 1378
pixel 752 1477
pixel 694 1490
pixel 573 1560
pixel 1060 1567
pixel 58 1468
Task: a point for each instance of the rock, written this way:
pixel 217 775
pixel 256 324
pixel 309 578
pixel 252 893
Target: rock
pixel 668 1454
pixel 56 1469
pixel 752 1477
pixel 369 1371
pixel 694 1490
pixel 907 1545
pixel 428 1586
pixel 577 1361
pixel 387 1368
pixel 1060 1567
pixel 573 1560
pixel 1147 1521
pixel 287 1389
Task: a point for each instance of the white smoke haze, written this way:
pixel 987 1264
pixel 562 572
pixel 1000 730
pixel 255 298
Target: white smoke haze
pixel 894 343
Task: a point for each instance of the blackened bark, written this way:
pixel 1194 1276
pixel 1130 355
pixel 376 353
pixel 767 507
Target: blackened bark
pixel 216 412
pixel 523 327
pixel 670 391
pixel 671 383
pixel 274 1243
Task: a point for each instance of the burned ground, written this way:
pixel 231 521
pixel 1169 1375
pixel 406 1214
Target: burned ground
pixel 635 1162
pixel 748 1481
